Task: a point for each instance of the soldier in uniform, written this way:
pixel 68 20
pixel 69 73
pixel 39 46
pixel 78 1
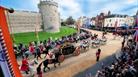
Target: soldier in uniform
pixel 98 54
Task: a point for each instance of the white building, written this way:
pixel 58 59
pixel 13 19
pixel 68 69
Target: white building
pixel 130 21
pixel 120 20
pixel 93 22
pixel 24 21
pixel 87 22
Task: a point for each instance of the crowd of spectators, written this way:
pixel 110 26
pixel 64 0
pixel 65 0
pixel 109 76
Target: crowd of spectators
pixel 124 66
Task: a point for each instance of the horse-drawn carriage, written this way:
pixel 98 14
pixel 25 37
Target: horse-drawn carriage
pixel 69 48
pixel 66 49
pixel 60 52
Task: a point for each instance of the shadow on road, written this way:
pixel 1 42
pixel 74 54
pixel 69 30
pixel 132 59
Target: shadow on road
pixel 98 66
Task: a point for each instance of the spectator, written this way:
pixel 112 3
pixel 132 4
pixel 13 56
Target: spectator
pixel 125 66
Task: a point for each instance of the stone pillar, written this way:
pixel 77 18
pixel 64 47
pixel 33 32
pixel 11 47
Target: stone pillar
pixel 50 15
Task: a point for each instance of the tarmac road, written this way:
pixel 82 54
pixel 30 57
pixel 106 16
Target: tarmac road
pixel 74 65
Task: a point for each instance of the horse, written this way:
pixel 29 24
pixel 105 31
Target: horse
pixel 103 40
pixel 30 67
pixel 52 61
pixel 85 45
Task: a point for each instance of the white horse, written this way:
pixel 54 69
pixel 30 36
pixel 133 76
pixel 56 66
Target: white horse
pixel 95 43
pixel 31 67
pixel 103 41
pixel 85 45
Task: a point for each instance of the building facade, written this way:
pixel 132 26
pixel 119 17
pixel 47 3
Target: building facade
pixel 130 21
pixel 99 20
pixel 118 20
pixel 136 19
pixel 24 21
pixel 93 21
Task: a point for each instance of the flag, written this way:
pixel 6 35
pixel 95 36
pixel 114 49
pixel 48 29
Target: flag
pixel 13 66
pixel 36 34
pixel 79 24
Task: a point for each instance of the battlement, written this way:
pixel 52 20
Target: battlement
pixel 48 2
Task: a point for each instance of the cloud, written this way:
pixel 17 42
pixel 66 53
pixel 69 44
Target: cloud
pixel 91 8
pixel 77 8
pixel 115 6
pixel 70 8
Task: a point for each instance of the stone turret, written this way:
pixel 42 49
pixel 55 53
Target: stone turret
pixel 50 15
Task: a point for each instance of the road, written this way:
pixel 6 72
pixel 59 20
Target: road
pixel 75 64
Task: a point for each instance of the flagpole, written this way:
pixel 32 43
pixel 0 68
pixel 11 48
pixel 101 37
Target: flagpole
pixel 79 24
pixel 36 31
pixel 36 34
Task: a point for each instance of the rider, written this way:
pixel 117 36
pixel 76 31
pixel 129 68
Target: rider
pixel 84 44
pixel 50 55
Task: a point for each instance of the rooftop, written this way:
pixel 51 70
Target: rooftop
pixel 116 15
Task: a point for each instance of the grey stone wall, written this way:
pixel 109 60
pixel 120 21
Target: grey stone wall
pixel 24 21
pixel 50 15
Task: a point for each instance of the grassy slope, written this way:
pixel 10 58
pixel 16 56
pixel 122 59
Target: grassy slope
pixel 25 38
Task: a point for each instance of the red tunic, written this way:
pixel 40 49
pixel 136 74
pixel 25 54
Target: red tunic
pixel 98 54
pixel 24 66
pixel 31 49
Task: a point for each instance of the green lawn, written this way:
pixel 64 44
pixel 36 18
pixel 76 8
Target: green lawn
pixel 25 38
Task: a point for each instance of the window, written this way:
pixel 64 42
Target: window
pixel 110 20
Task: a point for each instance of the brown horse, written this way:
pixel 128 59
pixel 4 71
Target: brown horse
pixel 58 58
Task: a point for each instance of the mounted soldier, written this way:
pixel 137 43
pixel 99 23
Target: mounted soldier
pixel 50 56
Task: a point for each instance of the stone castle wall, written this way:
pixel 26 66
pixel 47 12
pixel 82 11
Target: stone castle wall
pixel 27 21
pixel 24 21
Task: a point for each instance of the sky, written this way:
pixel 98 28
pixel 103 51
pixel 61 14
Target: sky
pixel 77 8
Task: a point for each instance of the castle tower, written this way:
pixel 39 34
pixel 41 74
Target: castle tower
pixel 50 15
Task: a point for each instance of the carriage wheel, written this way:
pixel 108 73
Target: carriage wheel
pixel 61 58
pixel 77 51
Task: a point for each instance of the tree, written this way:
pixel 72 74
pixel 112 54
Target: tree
pixel 70 21
pixel 63 23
